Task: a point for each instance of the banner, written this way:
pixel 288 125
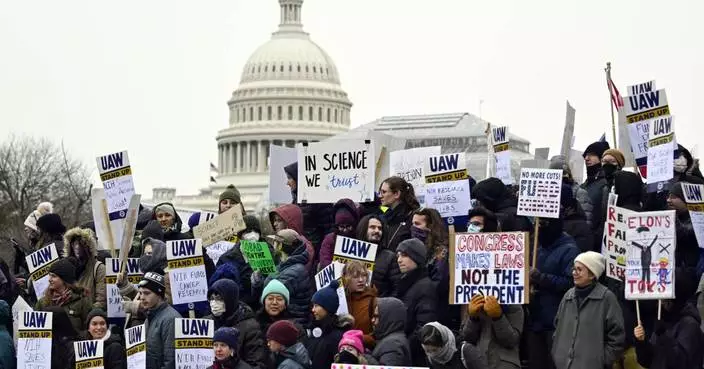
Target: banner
pixel 221 228
pixel 502 154
pixel 136 348
pixel 410 164
pixel 333 272
pixel 279 158
pixel 186 271
pixel 694 197
pixel 650 259
pixel 258 256
pixel 336 169
pixel 194 343
pixel 539 194
pixel 89 354
pixel 661 145
pixel 112 270
pixel 490 264
pixel 38 264
pixel 347 249
pixel 615 245
pixel 34 340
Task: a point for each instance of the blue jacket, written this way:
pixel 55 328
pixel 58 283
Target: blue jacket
pixel 7 347
pixel 555 265
pixel 160 326
pixel 292 273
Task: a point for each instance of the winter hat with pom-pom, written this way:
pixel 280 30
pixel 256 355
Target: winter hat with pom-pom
pixel 327 297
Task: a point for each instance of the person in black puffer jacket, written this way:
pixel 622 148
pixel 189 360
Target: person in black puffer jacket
pixel 494 196
pixel 574 221
pixel 113 345
pixel 326 330
pixel 386 273
pixel 400 197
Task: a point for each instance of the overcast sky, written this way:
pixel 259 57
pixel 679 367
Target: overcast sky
pixel 153 77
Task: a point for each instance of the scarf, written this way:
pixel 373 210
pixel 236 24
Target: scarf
pixel 60 298
pixel 229 363
pixel 581 293
pixel 447 352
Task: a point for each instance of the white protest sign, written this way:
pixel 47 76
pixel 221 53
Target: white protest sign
pixel 218 249
pixel 615 245
pixel 568 134
pixel 103 224
pixel 502 154
pixel 34 340
pixel 409 165
pixel 112 270
pixel 491 264
pixel 186 271
pixel 89 354
pixel 135 338
pixel 222 227
pixel 336 169
pixel 661 145
pixel 350 366
pixel 279 158
pixel 694 197
pixel 650 257
pixel 18 307
pixel 347 249
pixel 450 199
pixel 445 168
pixel 116 174
pixel 194 343
pixel 539 194
pixel 39 263
pixel 333 272
pixel 639 110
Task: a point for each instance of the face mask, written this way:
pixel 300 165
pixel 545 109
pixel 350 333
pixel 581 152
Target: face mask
pixel 593 170
pixel 609 170
pixel 217 307
pixel 473 228
pixel 346 357
pixel 680 164
pixel 419 234
pixel 251 236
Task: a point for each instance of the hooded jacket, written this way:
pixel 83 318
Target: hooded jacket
pixel 392 347
pixel 328 246
pixel 232 265
pixel 574 223
pixel 323 337
pixel 293 357
pixel 292 273
pixel 160 326
pixel 292 215
pixel 499 338
pixel 7 348
pixel 238 315
pixel 419 294
pixel 92 279
pixel 173 233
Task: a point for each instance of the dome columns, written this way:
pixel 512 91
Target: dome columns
pixel 244 156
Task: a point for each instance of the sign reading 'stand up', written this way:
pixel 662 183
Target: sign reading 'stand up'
pixel 447 185
pixel 89 354
pixel 186 271
pixel 694 196
pixel 194 343
pixel 112 270
pixel 34 340
pixel 135 344
pixel 39 263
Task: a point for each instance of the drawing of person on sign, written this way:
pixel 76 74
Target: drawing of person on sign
pixel 646 255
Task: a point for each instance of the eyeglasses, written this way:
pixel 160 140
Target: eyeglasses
pixel 345 227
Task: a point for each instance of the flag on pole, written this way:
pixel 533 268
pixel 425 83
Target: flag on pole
pixel 603 137
pixel 616 98
pixel 213 168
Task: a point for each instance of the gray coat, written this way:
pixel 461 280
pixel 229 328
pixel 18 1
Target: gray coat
pixel 160 324
pixel 584 201
pixel 499 339
pixel 296 357
pixel 591 335
pixel 392 347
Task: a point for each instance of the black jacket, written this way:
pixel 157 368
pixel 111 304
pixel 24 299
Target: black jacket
pixel 398 226
pixel 322 339
pixel 251 341
pixel 676 343
pixel 386 273
pixel 419 295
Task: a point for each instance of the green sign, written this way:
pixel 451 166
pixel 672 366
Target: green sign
pixel 258 256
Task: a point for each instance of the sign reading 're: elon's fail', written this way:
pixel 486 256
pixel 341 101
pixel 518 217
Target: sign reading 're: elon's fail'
pixel 336 169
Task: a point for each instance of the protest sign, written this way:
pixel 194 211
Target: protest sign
pixel 644 104
pixel 89 354
pixel 129 228
pixel 333 272
pixel 116 174
pixel 347 249
pixel 615 245
pixel 112 270
pixel 194 343
pixel 539 194
pixel 38 264
pixel 355 366
pixel 105 230
pixel 661 145
pixel 694 197
pixel 258 256
pixel 502 154
pixel 221 228
pixel 135 338
pixel 18 308
pixel 336 169
pixel 450 199
pixel 446 167
pixel 186 271
pixel 34 340
pixel 218 249
pixel 568 134
pixel 279 158
pixel 650 256
pixel 490 264
pixel 409 165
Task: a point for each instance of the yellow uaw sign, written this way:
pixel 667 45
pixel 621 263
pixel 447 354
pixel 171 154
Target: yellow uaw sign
pixel 89 354
pixel 116 174
pixel 501 147
pixel 185 263
pixel 90 363
pixel 194 341
pixel 661 140
pixel 34 334
pixel 205 343
pixel 445 168
pixel 137 349
pixel 695 207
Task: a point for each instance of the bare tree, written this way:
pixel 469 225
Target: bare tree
pixel 33 170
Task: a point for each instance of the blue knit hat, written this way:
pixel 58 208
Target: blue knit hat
pixel 228 336
pixel 275 286
pixel 327 297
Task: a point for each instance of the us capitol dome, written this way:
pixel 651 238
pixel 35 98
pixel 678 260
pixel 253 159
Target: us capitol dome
pixel 289 92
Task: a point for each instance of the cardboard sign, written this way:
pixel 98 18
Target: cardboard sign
pixel 661 145
pixel 194 343
pixel 333 272
pixel 258 256
pixel 502 154
pixel 34 340
pixel 135 346
pixel 38 264
pixel 112 270
pixel 279 158
pixel 539 195
pixel 218 249
pixel 89 354
pixel 410 165
pixel 186 271
pixel 694 197
pixel 615 244
pixel 445 168
pixel 650 260
pixel 221 228
pixel 336 169
pixel 116 175
pixel 490 264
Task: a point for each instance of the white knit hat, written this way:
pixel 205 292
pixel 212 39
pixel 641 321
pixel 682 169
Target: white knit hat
pixel 42 209
pixel 594 261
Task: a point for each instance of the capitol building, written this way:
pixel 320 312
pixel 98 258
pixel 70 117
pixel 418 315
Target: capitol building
pixel 290 92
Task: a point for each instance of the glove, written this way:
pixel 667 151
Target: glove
pixel 492 307
pixel 257 279
pixel 475 305
pixel 535 276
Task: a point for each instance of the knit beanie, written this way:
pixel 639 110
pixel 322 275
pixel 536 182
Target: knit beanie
pixel 596 148
pixel 344 217
pixel 327 297
pixel 594 261
pixel 283 332
pixel 231 193
pixel 252 224
pixel 166 208
pixel 291 171
pixel 489 192
pixel 31 221
pixel 152 230
pixel 51 224
pixel 65 269
pixel 228 336
pixel 275 286
pixel 153 282
pixel 96 312
pixel 415 249
pixel 560 162
pixel 617 154
pixel 352 338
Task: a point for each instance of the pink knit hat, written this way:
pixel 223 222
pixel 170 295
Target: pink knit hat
pixel 352 338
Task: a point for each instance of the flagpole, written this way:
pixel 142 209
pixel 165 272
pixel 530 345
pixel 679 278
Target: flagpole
pixel 611 104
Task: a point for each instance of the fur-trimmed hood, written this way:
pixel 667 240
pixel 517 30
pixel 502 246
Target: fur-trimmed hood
pixel 84 236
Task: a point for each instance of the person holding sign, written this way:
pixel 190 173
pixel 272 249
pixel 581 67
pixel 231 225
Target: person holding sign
pixel 63 293
pixel 161 320
pixel 90 273
pixel 589 323
pixel 493 195
pixel 386 274
pixel 400 197
pixel 688 252
pixel 290 217
pixel 346 219
pixel 97 328
pixel 226 343
pixel 229 198
pixel 63 335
